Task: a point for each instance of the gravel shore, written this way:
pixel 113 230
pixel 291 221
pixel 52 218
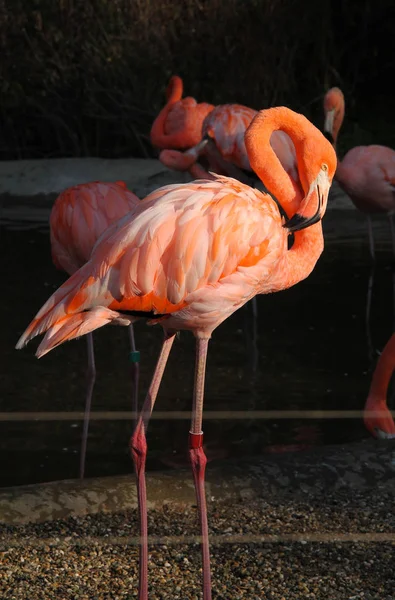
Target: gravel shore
pixel 333 545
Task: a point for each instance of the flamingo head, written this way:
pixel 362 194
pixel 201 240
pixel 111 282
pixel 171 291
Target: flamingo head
pixel 177 161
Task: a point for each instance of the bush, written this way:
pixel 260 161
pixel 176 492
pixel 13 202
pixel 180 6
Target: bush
pixel 86 77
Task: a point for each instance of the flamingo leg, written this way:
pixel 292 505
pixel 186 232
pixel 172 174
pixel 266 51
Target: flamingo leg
pixel 199 459
pixel 91 377
pixel 138 447
pixel 135 360
pixel 371 239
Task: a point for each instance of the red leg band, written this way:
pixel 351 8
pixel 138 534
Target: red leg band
pixel 195 440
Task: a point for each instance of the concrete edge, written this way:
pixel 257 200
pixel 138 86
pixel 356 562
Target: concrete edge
pixel 37 182
pixel 350 467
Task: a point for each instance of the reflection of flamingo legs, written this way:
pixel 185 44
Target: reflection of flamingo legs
pixel 371 239
pixel 251 333
pixel 91 378
pixel 372 351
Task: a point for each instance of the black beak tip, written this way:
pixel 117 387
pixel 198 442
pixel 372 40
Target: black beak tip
pixel 295 223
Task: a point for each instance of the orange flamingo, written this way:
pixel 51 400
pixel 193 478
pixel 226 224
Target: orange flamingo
pixel 377 417
pixel 366 173
pixel 79 216
pixel 214 133
pixel 179 123
pixel 187 257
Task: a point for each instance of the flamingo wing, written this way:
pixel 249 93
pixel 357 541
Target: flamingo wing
pixel 180 239
pixel 80 215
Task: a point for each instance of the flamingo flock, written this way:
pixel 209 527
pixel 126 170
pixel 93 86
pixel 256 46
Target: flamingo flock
pixel 189 255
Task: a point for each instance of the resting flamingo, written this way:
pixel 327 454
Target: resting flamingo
pixel 381 424
pixel 79 216
pixel 366 173
pixel 187 257
pixel 214 133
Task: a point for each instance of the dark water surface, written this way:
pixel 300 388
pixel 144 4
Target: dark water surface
pixel 311 348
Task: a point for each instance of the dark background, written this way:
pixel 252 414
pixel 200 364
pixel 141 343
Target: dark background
pixel 86 77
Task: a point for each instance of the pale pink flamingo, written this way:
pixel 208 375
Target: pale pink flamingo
pixel 366 173
pixel 187 257
pixel 79 216
pixel 377 417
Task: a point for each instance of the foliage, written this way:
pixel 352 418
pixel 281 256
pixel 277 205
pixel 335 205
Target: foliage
pixel 86 77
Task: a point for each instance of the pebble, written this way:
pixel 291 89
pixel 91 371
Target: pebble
pixel 96 557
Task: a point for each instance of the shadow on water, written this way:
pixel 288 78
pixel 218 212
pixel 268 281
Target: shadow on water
pixel 311 353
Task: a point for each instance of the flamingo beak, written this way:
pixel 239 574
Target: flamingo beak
pixel 319 192
pixel 328 125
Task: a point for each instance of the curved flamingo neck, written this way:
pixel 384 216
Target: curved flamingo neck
pixel 265 162
pixel 300 261
pixel 383 372
pixel 158 135
pixel 174 89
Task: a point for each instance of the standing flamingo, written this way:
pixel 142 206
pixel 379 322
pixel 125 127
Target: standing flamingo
pixel 366 173
pixel 381 424
pixel 79 216
pixel 187 257
pixel 215 133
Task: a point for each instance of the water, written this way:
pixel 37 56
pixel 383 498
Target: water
pixel 311 355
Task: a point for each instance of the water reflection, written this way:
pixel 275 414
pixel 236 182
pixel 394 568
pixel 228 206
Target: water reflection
pixel 301 349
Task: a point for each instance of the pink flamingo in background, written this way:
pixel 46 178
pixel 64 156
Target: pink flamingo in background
pixel 187 257
pixel 381 424
pixel 79 216
pixel 366 173
pixel 214 133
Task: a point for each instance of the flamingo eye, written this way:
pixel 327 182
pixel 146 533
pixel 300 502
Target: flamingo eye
pixel 324 167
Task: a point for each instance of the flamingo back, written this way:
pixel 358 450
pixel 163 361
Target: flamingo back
pixel 367 174
pixel 227 125
pixel 80 215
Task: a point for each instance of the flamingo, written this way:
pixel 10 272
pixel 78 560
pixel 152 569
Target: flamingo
pixel 187 257
pixel 79 216
pixel 179 123
pixel 366 173
pixel 377 417
pixel 216 133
